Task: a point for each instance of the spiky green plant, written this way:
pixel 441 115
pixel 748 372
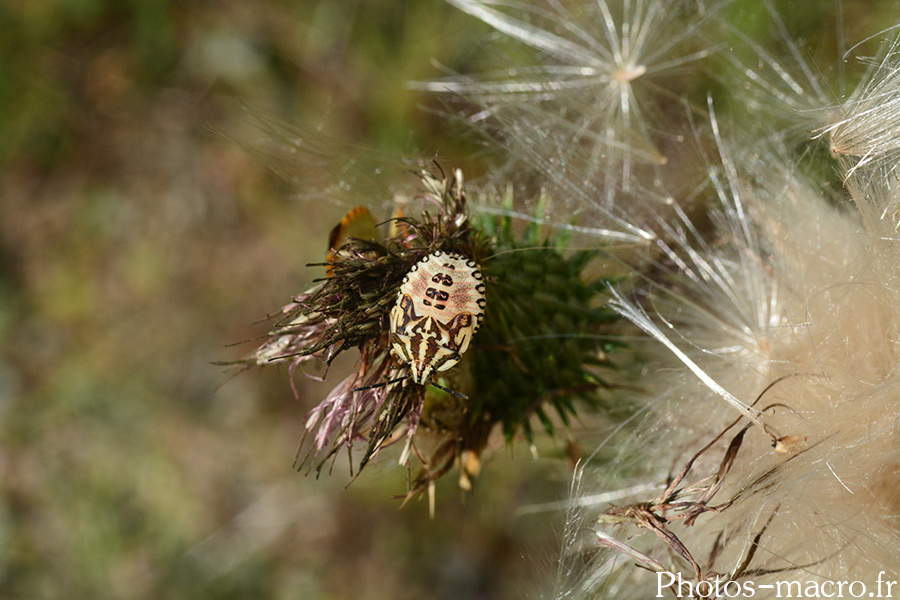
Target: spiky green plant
pixel 543 343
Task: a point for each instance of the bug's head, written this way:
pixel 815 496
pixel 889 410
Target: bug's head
pixel 421 371
pixel 439 358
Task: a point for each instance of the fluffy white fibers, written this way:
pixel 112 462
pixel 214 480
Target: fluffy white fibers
pixel 763 458
pixel 781 321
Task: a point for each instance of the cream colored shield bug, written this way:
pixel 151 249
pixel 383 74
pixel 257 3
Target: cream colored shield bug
pixel 439 308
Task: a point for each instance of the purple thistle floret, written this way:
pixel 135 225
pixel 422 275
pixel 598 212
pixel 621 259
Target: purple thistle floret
pixel 348 414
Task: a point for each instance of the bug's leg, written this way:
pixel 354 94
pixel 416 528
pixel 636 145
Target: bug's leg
pixel 449 391
pixel 382 384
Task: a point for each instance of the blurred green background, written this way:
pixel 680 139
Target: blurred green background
pixel 136 243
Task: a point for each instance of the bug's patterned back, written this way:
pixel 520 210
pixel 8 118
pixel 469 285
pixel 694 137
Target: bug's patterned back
pixel 439 308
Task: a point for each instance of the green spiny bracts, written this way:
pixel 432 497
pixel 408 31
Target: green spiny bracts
pixel 543 343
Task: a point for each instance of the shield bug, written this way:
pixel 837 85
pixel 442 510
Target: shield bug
pixel 439 308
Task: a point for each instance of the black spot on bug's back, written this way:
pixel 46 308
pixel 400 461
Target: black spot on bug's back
pixel 442 278
pixel 437 294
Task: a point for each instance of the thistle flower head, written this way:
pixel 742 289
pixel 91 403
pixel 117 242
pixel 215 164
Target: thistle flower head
pixel 540 348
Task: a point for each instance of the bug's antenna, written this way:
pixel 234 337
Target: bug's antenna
pixel 449 391
pixel 382 384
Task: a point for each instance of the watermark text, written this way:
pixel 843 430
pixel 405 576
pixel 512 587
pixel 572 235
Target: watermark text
pixel 668 583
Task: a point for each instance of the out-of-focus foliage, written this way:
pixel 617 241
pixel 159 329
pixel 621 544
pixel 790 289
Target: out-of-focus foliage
pixel 134 243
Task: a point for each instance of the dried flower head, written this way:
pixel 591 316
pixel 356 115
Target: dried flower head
pixel 540 346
